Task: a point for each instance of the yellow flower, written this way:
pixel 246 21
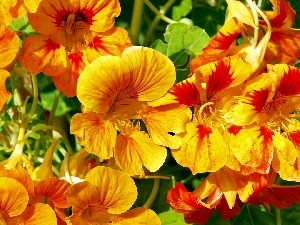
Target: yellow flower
pixel 116 93
pixel 72 35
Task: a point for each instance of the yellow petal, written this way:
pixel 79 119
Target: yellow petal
pixel 137 216
pixel 160 128
pixel 137 149
pixel 97 135
pixel 14 196
pixel 117 190
pixel 138 75
pixel 203 149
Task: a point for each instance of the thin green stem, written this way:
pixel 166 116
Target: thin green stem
pixel 156 20
pixel 35 99
pixel 153 193
pixel 136 21
pixel 57 129
pixel 53 109
pixel 278 216
pixel 157 12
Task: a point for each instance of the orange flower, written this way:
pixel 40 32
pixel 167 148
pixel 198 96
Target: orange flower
pixel 16 189
pixel 9 47
pixel 104 197
pixel 284 42
pixel 72 35
pixel 210 91
pixel 121 101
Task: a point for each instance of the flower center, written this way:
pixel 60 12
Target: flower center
pixel 75 31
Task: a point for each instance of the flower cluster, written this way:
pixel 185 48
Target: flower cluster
pixel 232 119
pixel 245 98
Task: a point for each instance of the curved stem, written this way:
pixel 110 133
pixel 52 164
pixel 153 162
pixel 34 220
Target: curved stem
pixel 156 20
pixel 163 17
pixel 153 193
pixel 58 129
pixel 278 216
pixel 35 98
pixel 136 20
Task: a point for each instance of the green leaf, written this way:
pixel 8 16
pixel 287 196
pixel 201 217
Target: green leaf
pixel 22 24
pixel 251 215
pixel 208 18
pixel 183 42
pixel 172 218
pixel 182 10
pixel 145 186
pixel 290 216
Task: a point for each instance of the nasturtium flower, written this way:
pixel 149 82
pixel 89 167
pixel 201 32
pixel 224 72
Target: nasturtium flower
pixel 283 46
pixel 225 41
pixel 116 93
pixel 269 97
pixel 103 193
pixel 71 35
pixel 17 191
pixel 211 88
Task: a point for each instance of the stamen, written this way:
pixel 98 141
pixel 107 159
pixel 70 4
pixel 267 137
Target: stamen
pixel 201 110
pixel 70 25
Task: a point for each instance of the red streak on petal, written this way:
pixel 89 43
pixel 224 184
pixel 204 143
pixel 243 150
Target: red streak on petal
pixel 289 84
pixel 258 99
pixel 267 135
pixel 97 44
pixel 203 131
pixel 234 129
pixel 186 93
pixel 51 45
pixel 295 138
pixel 219 79
pixel 76 59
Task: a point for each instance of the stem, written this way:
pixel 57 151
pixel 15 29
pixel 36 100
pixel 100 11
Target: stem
pixel 163 17
pixel 66 167
pixel 278 216
pixel 35 99
pixel 53 109
pixel 156 20
pixel 136 20
pixel 153 193
pixel 58 129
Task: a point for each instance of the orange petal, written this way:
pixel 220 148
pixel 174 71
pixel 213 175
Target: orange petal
pixel 54 189
pixel 135 150
pixel 159 128
pixel 3 93
pixel 203 149
pixel 253 148
pixel 139 215
pixel 42 54
pixel 97 135
pixel 9 46
pixel 218 45
pixel 75 65
pixel 14 196
pixel 5 6
pixel 38 214
pixel 282 16
pixel 112 42
pixel 21 176
pixel 117 190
